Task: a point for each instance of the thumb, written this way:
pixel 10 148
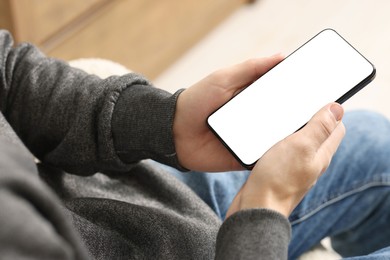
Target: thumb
pixel 322 124
pixel 325 131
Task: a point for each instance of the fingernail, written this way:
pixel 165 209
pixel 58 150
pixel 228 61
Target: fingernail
pixel 337 111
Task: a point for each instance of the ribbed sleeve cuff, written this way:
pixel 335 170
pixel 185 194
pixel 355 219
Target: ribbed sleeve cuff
pixel 254 234
pixel 142 125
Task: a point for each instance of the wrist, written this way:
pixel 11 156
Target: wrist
pixel 269 200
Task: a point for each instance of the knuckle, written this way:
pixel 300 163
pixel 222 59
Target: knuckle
pixel 220 79
pixel 326 125
pixel 251 63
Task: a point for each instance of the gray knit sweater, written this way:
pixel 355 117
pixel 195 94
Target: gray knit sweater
pixel 94 195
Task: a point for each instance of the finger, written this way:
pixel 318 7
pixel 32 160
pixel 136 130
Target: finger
pixel 322 125
pixel 243 74
pixel 329 147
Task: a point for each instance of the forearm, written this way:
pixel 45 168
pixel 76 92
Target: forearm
pixel 64 116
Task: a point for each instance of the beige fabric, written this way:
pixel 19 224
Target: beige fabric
pixel 100 67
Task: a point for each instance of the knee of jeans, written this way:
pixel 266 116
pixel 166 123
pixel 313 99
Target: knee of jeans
pixel 368 138
pixel 366 121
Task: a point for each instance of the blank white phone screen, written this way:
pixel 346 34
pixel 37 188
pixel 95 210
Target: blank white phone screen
pixel 286 97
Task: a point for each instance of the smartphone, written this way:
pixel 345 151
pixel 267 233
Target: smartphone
pixel 324 69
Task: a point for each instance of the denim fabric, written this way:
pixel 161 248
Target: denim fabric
pixel 350 202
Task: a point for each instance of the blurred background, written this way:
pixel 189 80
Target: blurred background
pixel 177 42
pixel 271 26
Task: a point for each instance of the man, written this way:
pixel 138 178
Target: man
pixel 78 124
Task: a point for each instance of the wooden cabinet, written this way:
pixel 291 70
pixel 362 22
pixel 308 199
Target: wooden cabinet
pixel 144 35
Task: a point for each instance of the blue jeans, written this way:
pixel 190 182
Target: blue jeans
pixel 350 202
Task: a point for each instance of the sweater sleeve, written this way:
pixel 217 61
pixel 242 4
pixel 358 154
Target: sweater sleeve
pixel 65 116
pixel 254 234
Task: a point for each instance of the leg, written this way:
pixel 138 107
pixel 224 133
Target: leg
pixel 383 254
pixel 351 201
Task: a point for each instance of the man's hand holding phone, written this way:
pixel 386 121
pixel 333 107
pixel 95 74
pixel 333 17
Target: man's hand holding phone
pixel 196 146
pixel 286 172
pixel 244 123
pixel 324 69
